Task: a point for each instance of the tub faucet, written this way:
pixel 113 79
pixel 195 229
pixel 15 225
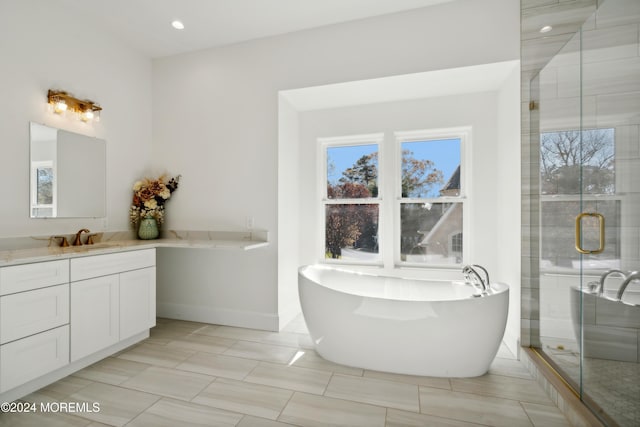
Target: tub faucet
pixel 471 275
pixel 634 275
pixel 605 275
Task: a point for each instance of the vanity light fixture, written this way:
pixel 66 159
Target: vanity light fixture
pixel 85 110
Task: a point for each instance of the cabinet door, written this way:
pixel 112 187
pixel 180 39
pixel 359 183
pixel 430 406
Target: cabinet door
pixel 137 301
pixel 94 315
pixel 29 358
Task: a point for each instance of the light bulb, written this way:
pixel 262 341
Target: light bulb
pixel 178 25
pixel 546 29
pixel 87 115
pixel 60 107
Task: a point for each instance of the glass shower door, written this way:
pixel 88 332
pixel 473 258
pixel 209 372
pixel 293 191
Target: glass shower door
pixel 589 118
pixel 611 322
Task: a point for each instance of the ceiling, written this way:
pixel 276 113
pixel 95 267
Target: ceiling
pixel 145 25
pixel 430 84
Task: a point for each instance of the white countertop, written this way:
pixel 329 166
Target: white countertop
pixel 124 241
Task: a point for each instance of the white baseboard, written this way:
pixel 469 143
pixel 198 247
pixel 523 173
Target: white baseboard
pixel 51 377
pixel 218 316
pixel 288 315
pixel 512 342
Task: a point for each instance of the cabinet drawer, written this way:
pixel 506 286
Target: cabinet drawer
pixel 29 358
pixel 27 313
pixel 19 278
pixel 104 265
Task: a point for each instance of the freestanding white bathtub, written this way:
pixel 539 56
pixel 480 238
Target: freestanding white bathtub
pixel 406 326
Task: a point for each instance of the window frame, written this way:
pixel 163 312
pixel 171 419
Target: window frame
pixel 389 198
pixel 464 135
pixel 349 141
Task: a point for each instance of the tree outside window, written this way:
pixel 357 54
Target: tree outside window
pixel 351 226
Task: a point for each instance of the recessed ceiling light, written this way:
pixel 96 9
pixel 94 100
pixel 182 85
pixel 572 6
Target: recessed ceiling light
pixel 178 25
pixel 546 29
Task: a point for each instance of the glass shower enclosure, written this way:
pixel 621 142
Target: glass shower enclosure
pixel 587 110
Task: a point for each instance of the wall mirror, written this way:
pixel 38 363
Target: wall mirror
pixel 67 174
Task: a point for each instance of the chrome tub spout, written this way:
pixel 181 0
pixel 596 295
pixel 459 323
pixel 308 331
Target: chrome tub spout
pixel 630 278
pixel 472 276
pixel 605 275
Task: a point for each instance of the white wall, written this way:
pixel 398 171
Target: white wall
pixel 508 211
pixel 216 111
pixel 288 211
pixel 479 111
pixel 43 46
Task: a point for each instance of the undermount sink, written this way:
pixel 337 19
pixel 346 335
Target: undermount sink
pixel 87 248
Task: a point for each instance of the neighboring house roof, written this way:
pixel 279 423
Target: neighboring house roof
pixel 452 187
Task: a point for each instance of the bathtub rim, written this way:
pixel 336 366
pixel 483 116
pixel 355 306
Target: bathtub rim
pixel 604 296
pixel 502 287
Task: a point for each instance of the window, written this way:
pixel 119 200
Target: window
pixel 43 188
pixel 431 203
pixel 578 174
pixel 456 244
pixel 351 198
pixel 424 215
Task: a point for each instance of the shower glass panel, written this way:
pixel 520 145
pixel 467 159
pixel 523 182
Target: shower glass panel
pixel 560 141
pixel 589 153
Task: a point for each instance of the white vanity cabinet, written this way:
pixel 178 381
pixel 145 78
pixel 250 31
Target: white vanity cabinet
pixel 112 298
pixel 34 321
pixel 57 317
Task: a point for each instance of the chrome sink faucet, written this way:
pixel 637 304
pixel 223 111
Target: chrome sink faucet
pixel 472 276
pixel 78 241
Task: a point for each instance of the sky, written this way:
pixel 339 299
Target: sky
pixel 445 154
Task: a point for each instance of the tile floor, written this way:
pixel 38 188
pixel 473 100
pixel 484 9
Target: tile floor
pixel 194 374
pixel 613 384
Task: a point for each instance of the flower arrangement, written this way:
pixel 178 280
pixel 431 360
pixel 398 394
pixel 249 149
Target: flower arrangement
pixel 149 197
